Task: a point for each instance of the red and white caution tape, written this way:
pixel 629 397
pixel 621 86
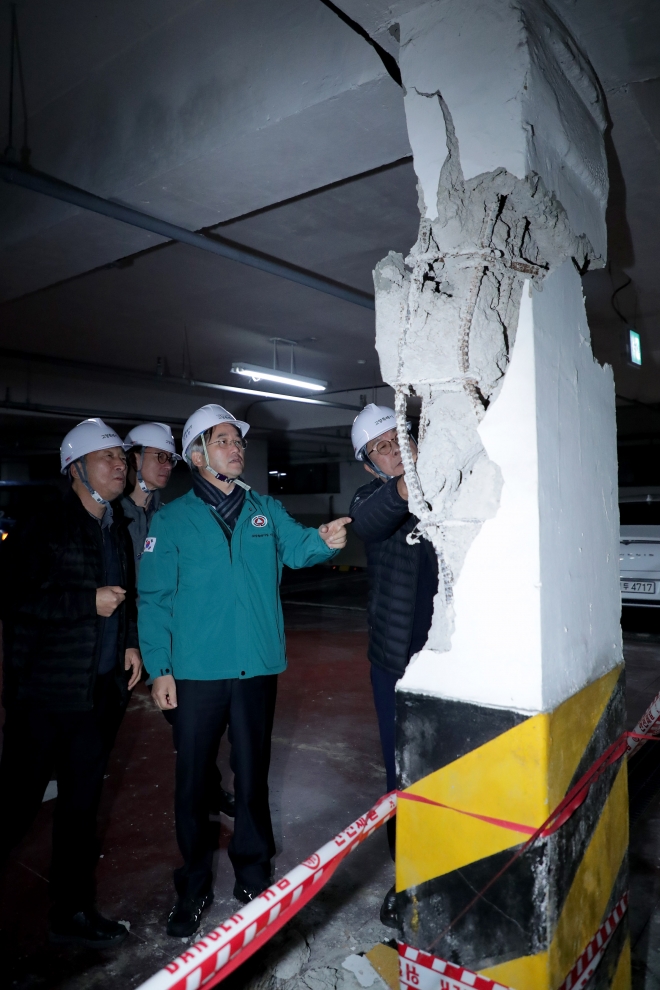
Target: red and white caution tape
pixel 584 968
pixel 421 971
pixel 648 725
pixel 561 814
pixel 222 950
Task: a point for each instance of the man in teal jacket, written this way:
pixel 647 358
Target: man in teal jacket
pixel 212 637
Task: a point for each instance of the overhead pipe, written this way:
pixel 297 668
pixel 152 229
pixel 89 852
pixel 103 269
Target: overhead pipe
pixel 40 410
pixel 57 189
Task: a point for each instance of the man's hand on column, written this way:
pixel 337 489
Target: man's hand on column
pixel 163 692
pixel 108 598
pixel 334 533
pixel 133 661
pixel 402 488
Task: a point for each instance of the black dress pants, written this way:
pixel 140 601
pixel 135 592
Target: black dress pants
pixel 76 745
pixel 383 684
pixel 204 709
pixel 214 783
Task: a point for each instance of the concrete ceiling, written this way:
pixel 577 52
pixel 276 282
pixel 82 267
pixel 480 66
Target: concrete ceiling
pixel 133 314
pixel 271 123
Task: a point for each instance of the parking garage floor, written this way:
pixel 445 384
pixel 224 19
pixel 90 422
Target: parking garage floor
pixel 326 771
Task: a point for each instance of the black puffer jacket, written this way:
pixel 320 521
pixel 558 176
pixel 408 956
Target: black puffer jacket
pixel 51 629
pixel 382 520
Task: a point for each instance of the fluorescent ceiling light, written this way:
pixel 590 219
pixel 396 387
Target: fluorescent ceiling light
pixel 258 374
pixel 244 391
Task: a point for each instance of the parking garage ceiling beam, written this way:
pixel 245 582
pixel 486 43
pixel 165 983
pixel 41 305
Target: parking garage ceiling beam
pixel 57 189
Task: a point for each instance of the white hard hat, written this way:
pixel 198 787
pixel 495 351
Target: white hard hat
pixel 372 422
pixel 203 419
pixel 157 435
pixel 90 435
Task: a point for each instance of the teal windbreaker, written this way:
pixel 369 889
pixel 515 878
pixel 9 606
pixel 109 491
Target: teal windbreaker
pixel 209 599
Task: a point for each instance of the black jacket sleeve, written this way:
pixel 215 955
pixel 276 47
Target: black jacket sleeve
pixel 378 511
pixel 37 588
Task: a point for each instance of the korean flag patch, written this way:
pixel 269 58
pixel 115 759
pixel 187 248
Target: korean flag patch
pixel 149 544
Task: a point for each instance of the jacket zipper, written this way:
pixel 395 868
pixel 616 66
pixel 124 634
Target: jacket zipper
pixel 225 529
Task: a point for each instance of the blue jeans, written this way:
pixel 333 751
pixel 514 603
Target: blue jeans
pixel 383 685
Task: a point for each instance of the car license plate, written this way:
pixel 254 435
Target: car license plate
pixel 638 587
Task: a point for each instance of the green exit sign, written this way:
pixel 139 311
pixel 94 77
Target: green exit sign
pixel 635 347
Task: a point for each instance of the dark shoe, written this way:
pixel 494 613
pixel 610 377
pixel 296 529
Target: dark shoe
pixel 224 803
pixel 184 917
pixel 247 894
pixel 227 804
pixel 87 928
pixel 389 914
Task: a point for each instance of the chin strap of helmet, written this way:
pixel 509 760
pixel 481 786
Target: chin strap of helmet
pixel 84 478
pixel 140 480
pixel 220 477
pixel 376 469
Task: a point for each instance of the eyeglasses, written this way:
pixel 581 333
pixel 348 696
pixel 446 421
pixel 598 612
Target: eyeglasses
pixel 164 458
pixel 384 447
pixel 227 442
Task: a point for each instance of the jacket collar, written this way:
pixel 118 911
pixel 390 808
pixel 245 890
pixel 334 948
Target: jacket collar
pixel 74 505
pixel 131 509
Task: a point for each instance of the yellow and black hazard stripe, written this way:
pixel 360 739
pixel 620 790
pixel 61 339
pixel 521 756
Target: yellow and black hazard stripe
pixel 531 926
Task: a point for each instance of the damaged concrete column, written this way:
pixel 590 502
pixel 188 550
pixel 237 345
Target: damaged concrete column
pixel 519 688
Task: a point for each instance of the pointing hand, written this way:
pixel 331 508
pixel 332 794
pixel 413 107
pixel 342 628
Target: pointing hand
pixel 334 533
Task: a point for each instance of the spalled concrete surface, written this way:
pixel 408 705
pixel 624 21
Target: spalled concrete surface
pixel 541 569
pixel 497 211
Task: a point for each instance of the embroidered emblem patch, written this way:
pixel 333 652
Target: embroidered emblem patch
pixel 259 521
pixel 149 544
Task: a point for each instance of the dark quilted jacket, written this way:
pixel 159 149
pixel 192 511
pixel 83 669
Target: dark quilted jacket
pixel 382 521
pixel 50 626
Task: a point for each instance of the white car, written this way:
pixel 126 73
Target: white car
pixel 639 557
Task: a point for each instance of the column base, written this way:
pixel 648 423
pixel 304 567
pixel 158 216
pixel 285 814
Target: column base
pixel 533 923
